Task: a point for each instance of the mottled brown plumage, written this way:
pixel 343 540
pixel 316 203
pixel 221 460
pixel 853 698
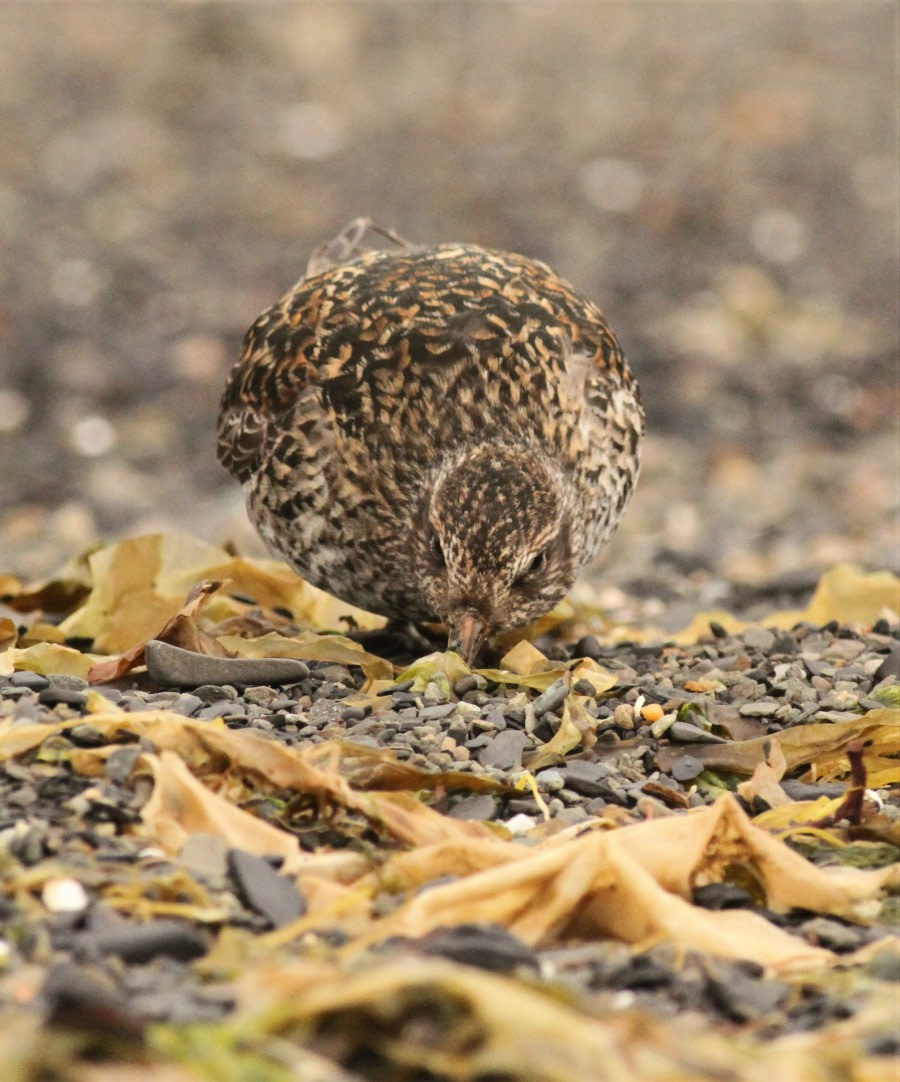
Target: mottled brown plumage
pixel 444 433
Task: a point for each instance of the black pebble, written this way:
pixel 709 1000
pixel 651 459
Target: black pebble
pixel 590 647
pixel 721 896
pixel 686 768
pixel 260 887
pixel 143 942
pixel 487 946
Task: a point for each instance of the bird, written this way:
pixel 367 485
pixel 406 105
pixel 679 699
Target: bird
pixel 438 434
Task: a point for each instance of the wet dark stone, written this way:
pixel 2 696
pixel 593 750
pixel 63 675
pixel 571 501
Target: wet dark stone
pixel 833 934
pixel 641 973
pixel 686 768
pixel 586 778
pixel 142 942
pixel 264 890
pixel 405 685
pixel 785 643
pixel 465 684
pixel 487 946
pixel 685 733
pixel 589 646
pixel 544 732
pixel 721 896
pixel 86 736
pixel 86 997
pixel 186 704
pixel 120 763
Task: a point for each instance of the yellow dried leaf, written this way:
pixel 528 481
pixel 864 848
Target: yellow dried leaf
pixel 852 596
pixel 443 668
pixel 180 805
pixel 47 658
pixel 844 593
pixel 632 884
pixel 308 646
pixel 9 632
pixel 140 583
pixel 566 738
pixel 525 660
pixel 766 780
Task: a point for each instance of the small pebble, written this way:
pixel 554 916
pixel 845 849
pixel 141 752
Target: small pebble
pixel 64 896
pixel 551 699
pixel 759 639
pixel 623 717
pixel 652 712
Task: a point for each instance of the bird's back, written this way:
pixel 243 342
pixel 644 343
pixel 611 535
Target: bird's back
pixel 368 373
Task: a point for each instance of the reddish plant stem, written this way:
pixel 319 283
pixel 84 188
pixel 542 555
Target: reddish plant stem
pixel 850 808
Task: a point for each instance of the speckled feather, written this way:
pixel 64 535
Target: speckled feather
pixel 429 431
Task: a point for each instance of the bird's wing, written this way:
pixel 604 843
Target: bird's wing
pixel 271 391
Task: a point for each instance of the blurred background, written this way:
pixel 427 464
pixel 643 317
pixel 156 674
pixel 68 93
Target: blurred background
pixel 721 178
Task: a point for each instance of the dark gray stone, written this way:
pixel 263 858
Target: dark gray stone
pixel 264 890
pixel 504 751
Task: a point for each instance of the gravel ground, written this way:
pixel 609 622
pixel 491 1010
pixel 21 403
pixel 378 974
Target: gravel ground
pixel 96 964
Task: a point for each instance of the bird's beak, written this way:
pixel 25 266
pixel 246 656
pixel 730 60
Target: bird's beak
pixel 467 633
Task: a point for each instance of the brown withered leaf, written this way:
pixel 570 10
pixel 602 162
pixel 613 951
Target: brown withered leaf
pixel 822 745
pixel 183 630
pixel 766 780
pixel 59 594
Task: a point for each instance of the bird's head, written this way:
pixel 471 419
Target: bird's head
pixel 496 547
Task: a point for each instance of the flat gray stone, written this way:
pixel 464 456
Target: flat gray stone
pixel 758 710
pixel 685 733
pixel 173 666
pixel 759 638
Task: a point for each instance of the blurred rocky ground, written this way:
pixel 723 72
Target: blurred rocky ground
pixel 722 178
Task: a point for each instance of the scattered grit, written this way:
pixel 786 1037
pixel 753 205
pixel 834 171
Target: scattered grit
pixel 96 961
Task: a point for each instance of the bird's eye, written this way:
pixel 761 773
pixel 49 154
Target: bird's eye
pixel 437 550
pixel 538 563
pixel 535 567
